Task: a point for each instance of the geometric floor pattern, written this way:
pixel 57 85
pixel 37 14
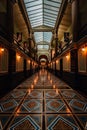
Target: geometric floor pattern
pixel 43 102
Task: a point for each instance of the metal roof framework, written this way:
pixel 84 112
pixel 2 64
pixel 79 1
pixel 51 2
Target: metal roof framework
pixel 42 13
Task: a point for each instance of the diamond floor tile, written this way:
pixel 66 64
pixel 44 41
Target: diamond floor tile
pixel 61 122
pixel 43 102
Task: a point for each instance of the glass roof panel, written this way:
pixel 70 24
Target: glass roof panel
pixel 41 9
pixel 52 3
pixel 47 36
pixel 50 15
pixel 48 24
pixel 33 8
pixel 50 7
pixel 42 13
pixel 36 15
pixel 51 18
pixel 38 36
pixel 43 36
pixel 44 47
pixel 50 11
pixel 35 11
pixel 30 4
pixel 40 47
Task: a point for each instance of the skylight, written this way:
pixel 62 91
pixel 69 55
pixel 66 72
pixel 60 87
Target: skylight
pixel 43 36
pixel 42 12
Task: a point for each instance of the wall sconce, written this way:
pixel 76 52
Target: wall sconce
pixel 83 48
pixel 2 49
pixel 57 61
pixel 29 61
pixel 18 57
pixel 67 57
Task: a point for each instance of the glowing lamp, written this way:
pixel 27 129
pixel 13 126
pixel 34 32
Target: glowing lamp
pixel 83 49
pixel 18 57
pixel 2 49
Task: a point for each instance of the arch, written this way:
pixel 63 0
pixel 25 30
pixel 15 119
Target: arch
pixel 43 58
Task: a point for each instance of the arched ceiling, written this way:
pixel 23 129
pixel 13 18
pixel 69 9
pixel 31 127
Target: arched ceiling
pixel 43 58
pixel 42 15
pixel 42 12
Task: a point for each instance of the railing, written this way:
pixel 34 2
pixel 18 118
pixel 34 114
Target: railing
pixel 62 49
pixel 24 50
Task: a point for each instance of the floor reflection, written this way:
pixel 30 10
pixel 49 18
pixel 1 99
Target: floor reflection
pixel 43 102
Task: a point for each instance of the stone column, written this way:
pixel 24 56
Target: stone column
pixel 25 67
pixel 12 61
pixel 51 54
pixel 61 67
pixel 29 42
pixel 10 25
pixel 74 60
pixel 56 44
pixel 75 20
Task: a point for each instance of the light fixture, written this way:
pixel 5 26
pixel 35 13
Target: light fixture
pixel 83 49
pixel 29 61
pixel 57 61
pixel 67 57
pixel 18 57
pixel 2 49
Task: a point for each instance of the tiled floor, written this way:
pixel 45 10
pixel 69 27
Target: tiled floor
pixel 43 102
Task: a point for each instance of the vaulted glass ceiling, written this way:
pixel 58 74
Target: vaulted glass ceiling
pixel 42 13
pixel 43 38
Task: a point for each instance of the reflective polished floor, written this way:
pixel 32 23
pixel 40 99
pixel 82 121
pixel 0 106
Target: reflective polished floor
pixel 43 102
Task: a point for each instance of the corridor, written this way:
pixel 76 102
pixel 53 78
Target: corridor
pixel 43 102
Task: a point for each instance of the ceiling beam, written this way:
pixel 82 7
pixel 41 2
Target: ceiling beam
pixel 43 30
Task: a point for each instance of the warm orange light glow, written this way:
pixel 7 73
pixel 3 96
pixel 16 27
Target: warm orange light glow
pixel 51 81
pixel 29 91
pixel 48 77
pixel 53 52
pixel 29 61
pixel 54 86
pixel 18 57
pixel 32 86
pixel 2 49
pixel 57 91
pixel 68 111
pixel 17 113
pixel 57 61
pixel 83 49
pixel 18 110
pixel 35 81
pixel 43 63
pixel 67 57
